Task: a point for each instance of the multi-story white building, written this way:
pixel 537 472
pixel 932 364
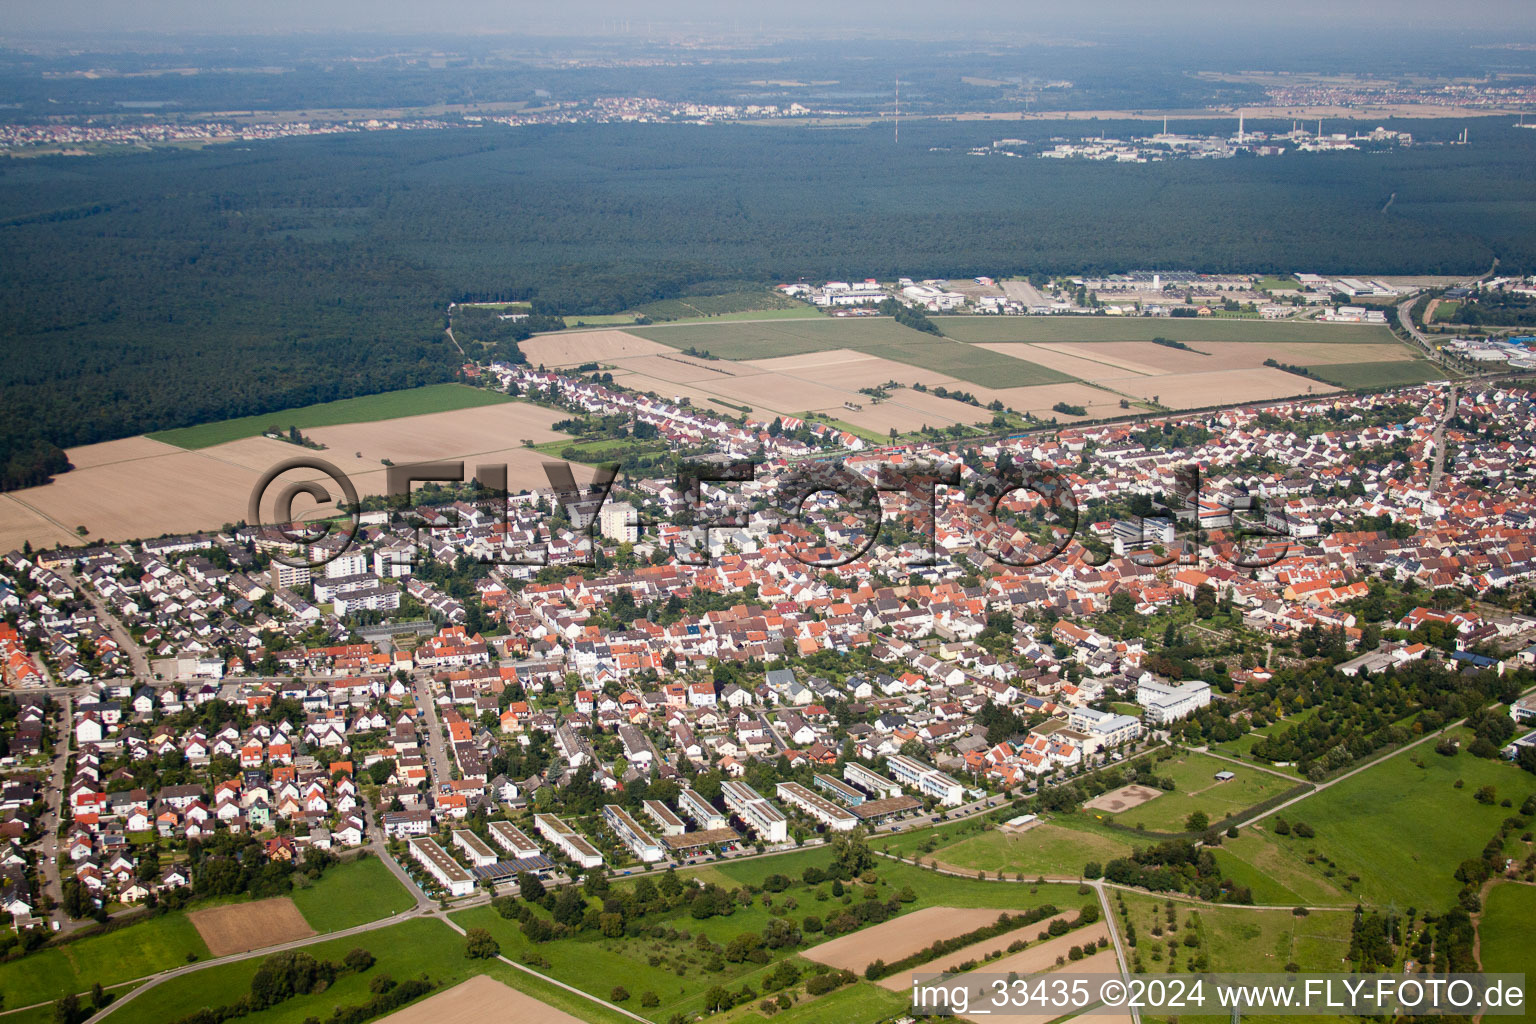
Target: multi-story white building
pixel 476 849
pixel 619 522
pixel 1168 702
pixel 568 840
pixel 448 872
pixel 1106 728
pixel 703 813
pixel 926 779
pixel 870 781
pixel 514 840
pixel 669 823
pixel 751 807
pixel 832 815
pixel 636 838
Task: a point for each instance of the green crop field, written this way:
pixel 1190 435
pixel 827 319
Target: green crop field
pixel 1185 329
pixel 1504 932
pixel 1401 826
pixel 130 952
pixel 876 336
pixel 1196 789
pixel 367 409
pixel 1383 374
pixel 352 894
pixel 406 950
pixel 729 306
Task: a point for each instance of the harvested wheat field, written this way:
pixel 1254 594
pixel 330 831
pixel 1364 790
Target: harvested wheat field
pixel 1102 963
pixel 239 927
pixel 906 410
pixel 1038 399
pixel 138 487
pixel 441 435
pixel 478 1001
pixel 1040 956
pixel 1063 362
pixel 1223 387
pixel 575 347
pixel 672 366
pixel 845 368
pixel 975 951
pixel 1123 799
pixel 900 937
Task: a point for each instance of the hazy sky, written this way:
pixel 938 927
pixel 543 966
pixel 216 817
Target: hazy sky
pixel 928 19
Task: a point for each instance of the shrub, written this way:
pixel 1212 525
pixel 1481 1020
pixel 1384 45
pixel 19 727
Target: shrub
pixel 619 994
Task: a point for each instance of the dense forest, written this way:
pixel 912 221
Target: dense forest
pixel 167 288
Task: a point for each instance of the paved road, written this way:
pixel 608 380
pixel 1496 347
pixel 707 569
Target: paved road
pixel 136 656
pixel 1438 472
pixel 48 846
pixel 437 750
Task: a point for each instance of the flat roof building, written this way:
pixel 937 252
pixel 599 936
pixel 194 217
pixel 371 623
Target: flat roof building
pixel 1168 702
pixel 448 872
pixel 704 814
pixel 514 840
pixel 478 851
pixel 568 840
pixel 667 822
pixel 751 807
pixel 636 838
pixel 834 816
pixel 872 782
pixel 926 779
pixel 841 790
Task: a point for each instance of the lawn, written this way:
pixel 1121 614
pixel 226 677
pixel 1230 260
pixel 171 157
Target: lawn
pixel 130 952
pixel 1504 931
pixel 405 950
pixel 1196 789
pixel 876 336
pixel 1257 860
pixel 1236 939
pixel 1277 282
pixel 1377 375
pixel 1185 329
pixel 352 893
pixel 1047 849
pixel 367 409
pixel 1402 827
pixel 1244 744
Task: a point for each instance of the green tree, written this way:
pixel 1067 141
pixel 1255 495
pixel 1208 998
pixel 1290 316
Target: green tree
pixel 480 945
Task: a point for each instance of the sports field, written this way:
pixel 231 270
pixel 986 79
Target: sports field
pixel 367 409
